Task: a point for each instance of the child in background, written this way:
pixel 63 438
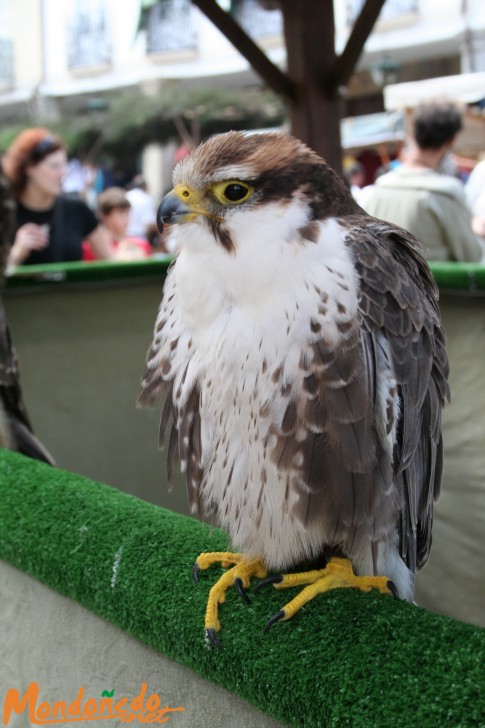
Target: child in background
pixel 114 213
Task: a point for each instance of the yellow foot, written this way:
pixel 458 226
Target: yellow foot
pixel 239 575
pixel 337 573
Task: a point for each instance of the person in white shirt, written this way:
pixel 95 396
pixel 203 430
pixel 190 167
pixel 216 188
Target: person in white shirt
pixel 418 198
pixel 142 222
pixel 475 194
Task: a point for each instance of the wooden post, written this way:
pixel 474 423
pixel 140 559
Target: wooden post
pixel 316 107
pixel 315 74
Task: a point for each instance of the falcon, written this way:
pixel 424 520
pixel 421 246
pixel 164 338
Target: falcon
pixel 300 355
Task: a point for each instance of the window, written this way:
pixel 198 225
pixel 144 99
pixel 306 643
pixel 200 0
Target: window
pixel 171 26
pixel 6 46
pixel 256 21
pixel 88 35
pixel 391 9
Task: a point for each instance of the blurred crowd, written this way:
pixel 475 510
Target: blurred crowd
pixel 68 211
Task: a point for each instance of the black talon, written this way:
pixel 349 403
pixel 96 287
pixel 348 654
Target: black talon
pixel 211 634
pixel 195 572
pixel 275 618
pixel 277 579
pixel 241 590
pixel 393 589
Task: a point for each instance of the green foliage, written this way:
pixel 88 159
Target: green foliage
pixel 9 132
pixel 138 119
pixel 76 131
pixel 133 120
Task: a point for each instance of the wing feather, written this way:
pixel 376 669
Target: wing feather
pixel 170 375
pixel 412 327
pixel 354 460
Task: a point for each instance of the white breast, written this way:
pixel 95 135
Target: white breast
pixel 247 316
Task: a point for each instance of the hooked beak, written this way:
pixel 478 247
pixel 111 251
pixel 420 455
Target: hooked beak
pixel 182 204
pixel 172 209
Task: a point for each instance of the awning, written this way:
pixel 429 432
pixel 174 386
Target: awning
pixel 466 88
pixel 372 129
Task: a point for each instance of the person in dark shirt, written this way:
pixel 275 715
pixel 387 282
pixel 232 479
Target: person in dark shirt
pixel 15 427
pixel 50 227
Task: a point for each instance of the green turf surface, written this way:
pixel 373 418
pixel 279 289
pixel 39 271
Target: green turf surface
pixel 347 659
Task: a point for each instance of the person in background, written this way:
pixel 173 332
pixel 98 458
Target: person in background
pixel 16 431
pixel 355 177
pixel 49 227
pixel 142 221
pixel 114 212
pixel 475 184
pixel 475 194
pixel 419 198
pixel 75 180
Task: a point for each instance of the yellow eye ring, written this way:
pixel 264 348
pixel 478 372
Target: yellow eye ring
pixel 232 192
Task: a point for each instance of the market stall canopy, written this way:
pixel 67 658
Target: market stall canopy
pixel 360 132
pixel 466 88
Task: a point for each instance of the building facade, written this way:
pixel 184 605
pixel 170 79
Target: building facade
pixel 73 56
pixel 72 50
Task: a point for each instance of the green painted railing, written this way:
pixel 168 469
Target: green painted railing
pixel 449 276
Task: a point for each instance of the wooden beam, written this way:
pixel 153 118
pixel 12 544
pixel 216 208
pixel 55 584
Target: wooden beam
pixel 345 63
pixel 269 72
pixel 315 74
pixel 310 45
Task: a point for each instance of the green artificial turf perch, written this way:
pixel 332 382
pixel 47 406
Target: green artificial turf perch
pixel 347 659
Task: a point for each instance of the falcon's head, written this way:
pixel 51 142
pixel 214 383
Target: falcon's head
pixel 272 175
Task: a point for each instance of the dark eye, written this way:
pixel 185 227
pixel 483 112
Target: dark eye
pixel 232 192
pixel 235 192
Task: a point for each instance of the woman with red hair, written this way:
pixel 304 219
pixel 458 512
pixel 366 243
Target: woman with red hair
pixel 50 227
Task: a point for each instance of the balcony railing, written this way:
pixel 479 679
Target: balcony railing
pixel 391 9
pixel 88 40
pixel 171 27
pixel 256 21
pixel 6 63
